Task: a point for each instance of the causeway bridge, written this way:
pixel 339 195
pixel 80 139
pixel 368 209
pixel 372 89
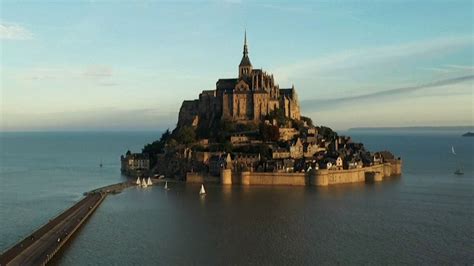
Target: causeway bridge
pixel 40 246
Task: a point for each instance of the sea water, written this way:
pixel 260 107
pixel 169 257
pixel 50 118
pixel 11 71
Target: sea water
pixel 425 216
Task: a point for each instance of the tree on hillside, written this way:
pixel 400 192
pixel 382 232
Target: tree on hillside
pixel 157 146
pixel 223 130
pixel 327 132
pixel 185 135
pixel 308 121
pixel 269 132
pixel 279 115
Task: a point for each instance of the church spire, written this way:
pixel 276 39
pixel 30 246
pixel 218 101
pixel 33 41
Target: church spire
pixel 245 67
pixel 246 52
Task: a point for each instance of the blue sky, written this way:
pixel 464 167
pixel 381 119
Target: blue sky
pixel 123 65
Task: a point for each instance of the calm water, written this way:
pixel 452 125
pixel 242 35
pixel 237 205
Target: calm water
pixel 425 216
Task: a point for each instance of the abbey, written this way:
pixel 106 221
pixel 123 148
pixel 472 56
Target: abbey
pixel 247 98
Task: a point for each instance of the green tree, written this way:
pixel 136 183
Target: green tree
pixel 327 132
pixel 308 121
pixel 224 129
pixel 157 146
pixel 185 135
pixel 227 146
pixel 279 115
pixel 269 132
pixel 298 125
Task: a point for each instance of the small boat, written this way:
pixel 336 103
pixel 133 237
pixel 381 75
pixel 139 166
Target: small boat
pixel 148 182
pixel 203 191
pixel 166 186
pixel 144 183
pixel 138 182
pixel 100 164
pixel 458 172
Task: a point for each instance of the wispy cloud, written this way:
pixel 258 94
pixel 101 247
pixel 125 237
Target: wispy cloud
pixel 331 103
pixel 98 71
pixel 356 58
pixel 93 72
pixel 288 8
pixel 108 84
pixel 14 32
pixel 445 69
pixel 96 119
pixel 233 2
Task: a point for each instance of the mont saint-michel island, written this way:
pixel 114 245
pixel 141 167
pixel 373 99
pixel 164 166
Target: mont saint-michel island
pixel 249 131
pixel 236 132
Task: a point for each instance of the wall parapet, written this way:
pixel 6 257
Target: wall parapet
pixel 322 177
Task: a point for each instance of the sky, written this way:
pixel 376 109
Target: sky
pixel 128 65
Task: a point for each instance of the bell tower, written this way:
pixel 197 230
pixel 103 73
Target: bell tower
pixel 245 67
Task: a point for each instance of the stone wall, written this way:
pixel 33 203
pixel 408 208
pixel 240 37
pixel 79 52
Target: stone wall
pixel 288 179
pixel 374 173
pixel 321 177
pixel 192 177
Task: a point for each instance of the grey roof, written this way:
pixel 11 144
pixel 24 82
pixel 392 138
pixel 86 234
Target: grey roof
pixel 223 84
pixel 245 61
pixel 286 91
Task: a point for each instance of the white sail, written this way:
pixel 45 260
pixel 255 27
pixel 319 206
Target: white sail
pixel 452 150
pixel 144 183
pixel 203 191
pixel 138 182
pixel 166 185
pixel 148 182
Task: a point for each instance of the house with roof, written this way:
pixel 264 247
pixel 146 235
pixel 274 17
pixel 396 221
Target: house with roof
pixel 296 149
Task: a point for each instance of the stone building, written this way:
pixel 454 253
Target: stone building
pixel 134 163
pixel 287 133
pixel 239 138
pixel 296 149
pixel 247 98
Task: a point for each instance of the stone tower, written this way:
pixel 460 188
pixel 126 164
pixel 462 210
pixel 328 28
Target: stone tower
pixel 245 67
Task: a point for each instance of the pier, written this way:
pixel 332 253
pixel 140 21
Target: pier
pixel 40 247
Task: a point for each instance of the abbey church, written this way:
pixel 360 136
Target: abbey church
pixel 248 98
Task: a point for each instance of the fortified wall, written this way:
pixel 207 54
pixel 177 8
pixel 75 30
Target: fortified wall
pixel 322 177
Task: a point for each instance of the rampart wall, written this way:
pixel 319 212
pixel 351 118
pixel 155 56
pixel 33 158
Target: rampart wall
pixel 322 177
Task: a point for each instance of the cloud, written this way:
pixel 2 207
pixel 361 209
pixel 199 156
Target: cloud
pixel 449 69
pixel 108 84
pixel 331 103
pixel 355 58
pixel 91 72
pixel 98 71
pixel 14 32
pixel 288 8
pixel 232 1
pixel 96 119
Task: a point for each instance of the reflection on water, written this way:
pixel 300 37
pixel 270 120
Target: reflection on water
pixel 425 216
pixel 347 224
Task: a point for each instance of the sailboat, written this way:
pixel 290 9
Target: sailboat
pixel 138 182
pixel 148 182
pixel 203 191
pixel 458 171
pixel 144 183
pixel 166 185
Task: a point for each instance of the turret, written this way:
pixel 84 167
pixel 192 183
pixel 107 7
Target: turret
pixel 245 67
